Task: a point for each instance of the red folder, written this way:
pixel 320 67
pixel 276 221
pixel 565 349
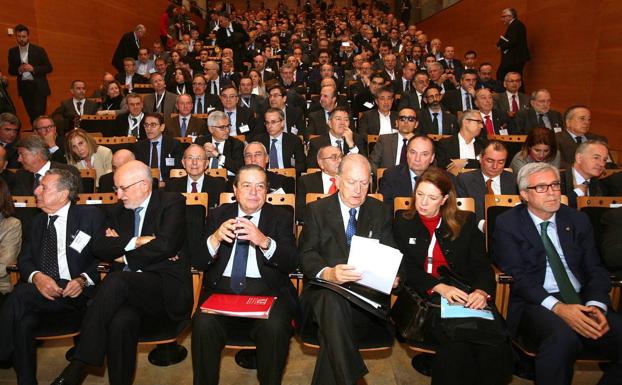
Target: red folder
pixel 238 305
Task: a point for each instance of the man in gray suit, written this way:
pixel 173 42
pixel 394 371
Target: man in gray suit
pixel 539 115
pixel 578 121
pixel 390 148
pixel 511 101
pixel 161 100
pixel 491 179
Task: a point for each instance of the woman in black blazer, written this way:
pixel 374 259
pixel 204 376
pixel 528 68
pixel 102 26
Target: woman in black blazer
pixel 459 246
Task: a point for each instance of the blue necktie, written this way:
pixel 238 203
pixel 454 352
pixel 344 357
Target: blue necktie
pixel 184 127
pixel 137 211
pixel 351 229
pixel 215 159
pixel 274 158
pixel 238 269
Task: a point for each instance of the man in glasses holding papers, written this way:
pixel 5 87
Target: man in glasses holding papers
pixel 560 289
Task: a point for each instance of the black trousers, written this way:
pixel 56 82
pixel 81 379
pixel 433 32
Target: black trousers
pixel 35 101
pixel 21 312
pixel 111 325
pixel 210 334
pixel 340 325
pixel 559 345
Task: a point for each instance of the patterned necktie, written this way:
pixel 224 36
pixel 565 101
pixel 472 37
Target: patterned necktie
pixel 489 189
pixel 194 187
pixel 274 158
pixel 578 139
pixel 541 120
pixel 49 260
pixel 333 186
pixel 184 127
pixel 238 268
pixel 467 102
pixel 403 152
pixel 435 122
pixel 135 127
pixel 154 155
pixel 514 104
pixel 79 108
pixel 490 130
pixel 36 182
pixel 566 290
pixel 215 159
pixel 351 229
pixel 338 141
pixel 199 109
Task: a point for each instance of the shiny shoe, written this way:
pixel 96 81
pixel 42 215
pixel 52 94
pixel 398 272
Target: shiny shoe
pixel 246 359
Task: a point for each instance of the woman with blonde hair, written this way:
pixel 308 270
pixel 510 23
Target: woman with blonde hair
pixel 10 237
pixel 258 86
pixel 84 153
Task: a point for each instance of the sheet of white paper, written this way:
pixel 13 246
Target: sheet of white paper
pixel 377 262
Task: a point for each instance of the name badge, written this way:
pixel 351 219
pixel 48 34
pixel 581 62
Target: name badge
pixel 503 131
pixel 80 241
pixel 170 161
pixel 294 130
pixel 412 241
pixel 210 109
pixel 244 128
pixel 557 129
pixel 369 105
pixel 292 161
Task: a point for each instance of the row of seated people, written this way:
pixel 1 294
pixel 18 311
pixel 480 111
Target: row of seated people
pixel 122 295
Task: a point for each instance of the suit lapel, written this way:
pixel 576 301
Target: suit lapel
pixel 150 220
pixel 530 231
pixel 73 222
pixel 393 143
pixel 335 224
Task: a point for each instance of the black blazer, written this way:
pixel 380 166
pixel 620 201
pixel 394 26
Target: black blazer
pixel 170 148
pixel 38 58
pixel 165 219
pixel 25 180
pixel 369 124
pixel 209 101
pixel 449 148
pixel 245 116
pixel 293 150
pixel 454 102
pixel 465 255
pixel 471 184
pixel 126 48
pixel 567 146
pixel 324 140
pixel 213 186
pixel 257 104
pixel 395 182
pixel 323 238
pixel 68 113
pixel 12 155
pixel 194 126
pixel 233 151
pixel 450 123
pixel 500 121
pixel 275 222
pixel 9 178
pixel 514 50
pixel 309 183
pixel 595 187
pixel 526 120
pixel 122 127
pixel 87 219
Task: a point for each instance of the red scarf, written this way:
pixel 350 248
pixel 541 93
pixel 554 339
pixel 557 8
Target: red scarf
pixel 438 259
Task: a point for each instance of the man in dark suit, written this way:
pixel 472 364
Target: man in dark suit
pixel 401 180
pixel 257 104
pixel 30 64
pixel 223 150
pixel 241 119
pixel 404 84
pixel 285 149
pixel 461 150
pixel 366 99
pixel 160 100
pixel 232 35
pixel 432 118
pixel 71 110
pixel 46 129
pixel 578 122
pixel 184 124
pixel 227 75
pixel 203 102
pixel 495 121
pixel 450 63
pixel 512 45
pixel 492 179
pixel 440 79
pixel 329 226
pixel 611 242
pixel 390 150
pixel 158 150
pixel 323 181
pixel 318 120
pixel 539 115
pixel 57 268
pixel 128 46
pixel 119 158
pixel 414 99
pixel 462 99
pixel 380 120
pixel 560 290
pixel 9 132
pixel 256 153
pixel 259 65
pixel 251 250
pixel 339 135
pixel 294 117
pixel 196 180
pixel 7 176
pixel 485 79
pixel 142 236
pixel 581 179
pixel 35 159
pixel 512 100
pixel 131 122
pixel 128 76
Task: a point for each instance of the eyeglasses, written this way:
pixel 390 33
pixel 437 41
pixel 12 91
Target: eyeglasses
pixel 410 119
pixel 194 158
pixel 275 95
pixel 475 120
pixel 152 125
pixel 223 127
pixel 542 188
pixel 125 188
pixel 44 128
pixel 272 122
pixel 333 157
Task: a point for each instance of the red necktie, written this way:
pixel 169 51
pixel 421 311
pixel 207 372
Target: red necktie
pixel 514 104
pixel 489 189
pixel 490 130
pixel 333 186
pixel 194 187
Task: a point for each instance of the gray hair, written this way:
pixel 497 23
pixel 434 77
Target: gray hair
pixel 533 168
pixel 583 146
pixel 435 64
pixel 34 144
pixel 10 118
pixel 468 114
pixel 66 181
pixel 534 94
pixel 265 151
pixel 215 117
pixel 351 158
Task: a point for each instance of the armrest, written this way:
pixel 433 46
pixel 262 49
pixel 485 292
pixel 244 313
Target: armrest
pixel 502 292
pixel 13 271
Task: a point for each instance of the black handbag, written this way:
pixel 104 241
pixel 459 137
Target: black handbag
pixel 411 312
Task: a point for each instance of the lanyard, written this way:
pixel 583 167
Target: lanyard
pixel 159 102
pixel 431 249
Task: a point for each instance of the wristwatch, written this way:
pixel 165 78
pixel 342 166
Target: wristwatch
pixel 268 246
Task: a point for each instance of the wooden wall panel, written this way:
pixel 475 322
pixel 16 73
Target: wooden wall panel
pixel 575 47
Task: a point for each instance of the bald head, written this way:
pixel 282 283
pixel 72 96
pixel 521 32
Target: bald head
pixel 121 157
pixel 133 183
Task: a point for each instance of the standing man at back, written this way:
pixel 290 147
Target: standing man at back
pixel 128 46
pixel 512 45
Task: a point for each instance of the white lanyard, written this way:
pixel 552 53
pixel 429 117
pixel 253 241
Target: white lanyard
pixel 431 248
pixel 182 91
pixel 159 102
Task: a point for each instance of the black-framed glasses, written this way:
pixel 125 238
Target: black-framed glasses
pixel 125 188
pixel 272 122
pixel 333 157
pixel 475 120
pixel 411 119
pixel 223 127
pixel 542 188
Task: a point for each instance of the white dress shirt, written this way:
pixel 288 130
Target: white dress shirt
pixel 385 123
pixel 467 150
pixel 199 182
